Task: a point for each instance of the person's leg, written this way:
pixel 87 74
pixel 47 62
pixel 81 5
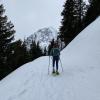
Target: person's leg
pixel 57 60
pixel 57 64
pixel 54 64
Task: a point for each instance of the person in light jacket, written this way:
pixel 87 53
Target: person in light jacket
pixel 55 53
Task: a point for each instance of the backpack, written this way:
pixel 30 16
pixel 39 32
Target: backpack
pixel 55 52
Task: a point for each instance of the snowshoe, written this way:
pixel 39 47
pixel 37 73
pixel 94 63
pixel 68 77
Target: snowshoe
pixel 53 71
pixel 57 73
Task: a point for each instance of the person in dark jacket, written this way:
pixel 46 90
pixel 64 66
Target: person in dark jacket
pixel 55 53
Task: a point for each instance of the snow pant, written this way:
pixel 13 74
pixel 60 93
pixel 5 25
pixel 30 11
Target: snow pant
pixel 55 60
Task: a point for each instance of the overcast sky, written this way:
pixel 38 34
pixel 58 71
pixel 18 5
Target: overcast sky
pixel 30 15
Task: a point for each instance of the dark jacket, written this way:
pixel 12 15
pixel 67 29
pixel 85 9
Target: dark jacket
pixel 55 52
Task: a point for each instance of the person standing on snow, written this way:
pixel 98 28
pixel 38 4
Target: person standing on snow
pixel 55 53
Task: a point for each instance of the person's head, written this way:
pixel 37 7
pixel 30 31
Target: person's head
pixel 55 45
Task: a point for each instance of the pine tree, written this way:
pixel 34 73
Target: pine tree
pixel 23 54
pixel 72 20
pixel 81 9
pixel 6 36
pixel 19 55
pixel 45 51
pixel 93 11
pixel 14 59
pixel 39 50
pixel 68 19
pixel 35 50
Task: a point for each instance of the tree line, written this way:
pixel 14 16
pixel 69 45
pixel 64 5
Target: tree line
pixel 13 54
pixel 76 16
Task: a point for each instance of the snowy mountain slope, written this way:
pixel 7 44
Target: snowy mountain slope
pixel 43 36
pixel 79 81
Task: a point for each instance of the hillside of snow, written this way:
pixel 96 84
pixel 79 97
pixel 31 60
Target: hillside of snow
pixel 79 80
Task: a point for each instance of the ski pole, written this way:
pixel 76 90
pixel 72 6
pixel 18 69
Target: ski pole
pixel 61 65
pixel 49 65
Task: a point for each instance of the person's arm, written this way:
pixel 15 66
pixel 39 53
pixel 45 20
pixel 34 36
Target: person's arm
pixel 59 51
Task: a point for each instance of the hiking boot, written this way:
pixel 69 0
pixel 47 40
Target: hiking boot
pixel 57 72
pixel 53 71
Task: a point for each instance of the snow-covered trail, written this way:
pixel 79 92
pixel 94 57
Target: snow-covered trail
pixel 35 84
pixel 79 81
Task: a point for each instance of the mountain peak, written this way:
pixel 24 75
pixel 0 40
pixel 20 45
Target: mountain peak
pixel 43 36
